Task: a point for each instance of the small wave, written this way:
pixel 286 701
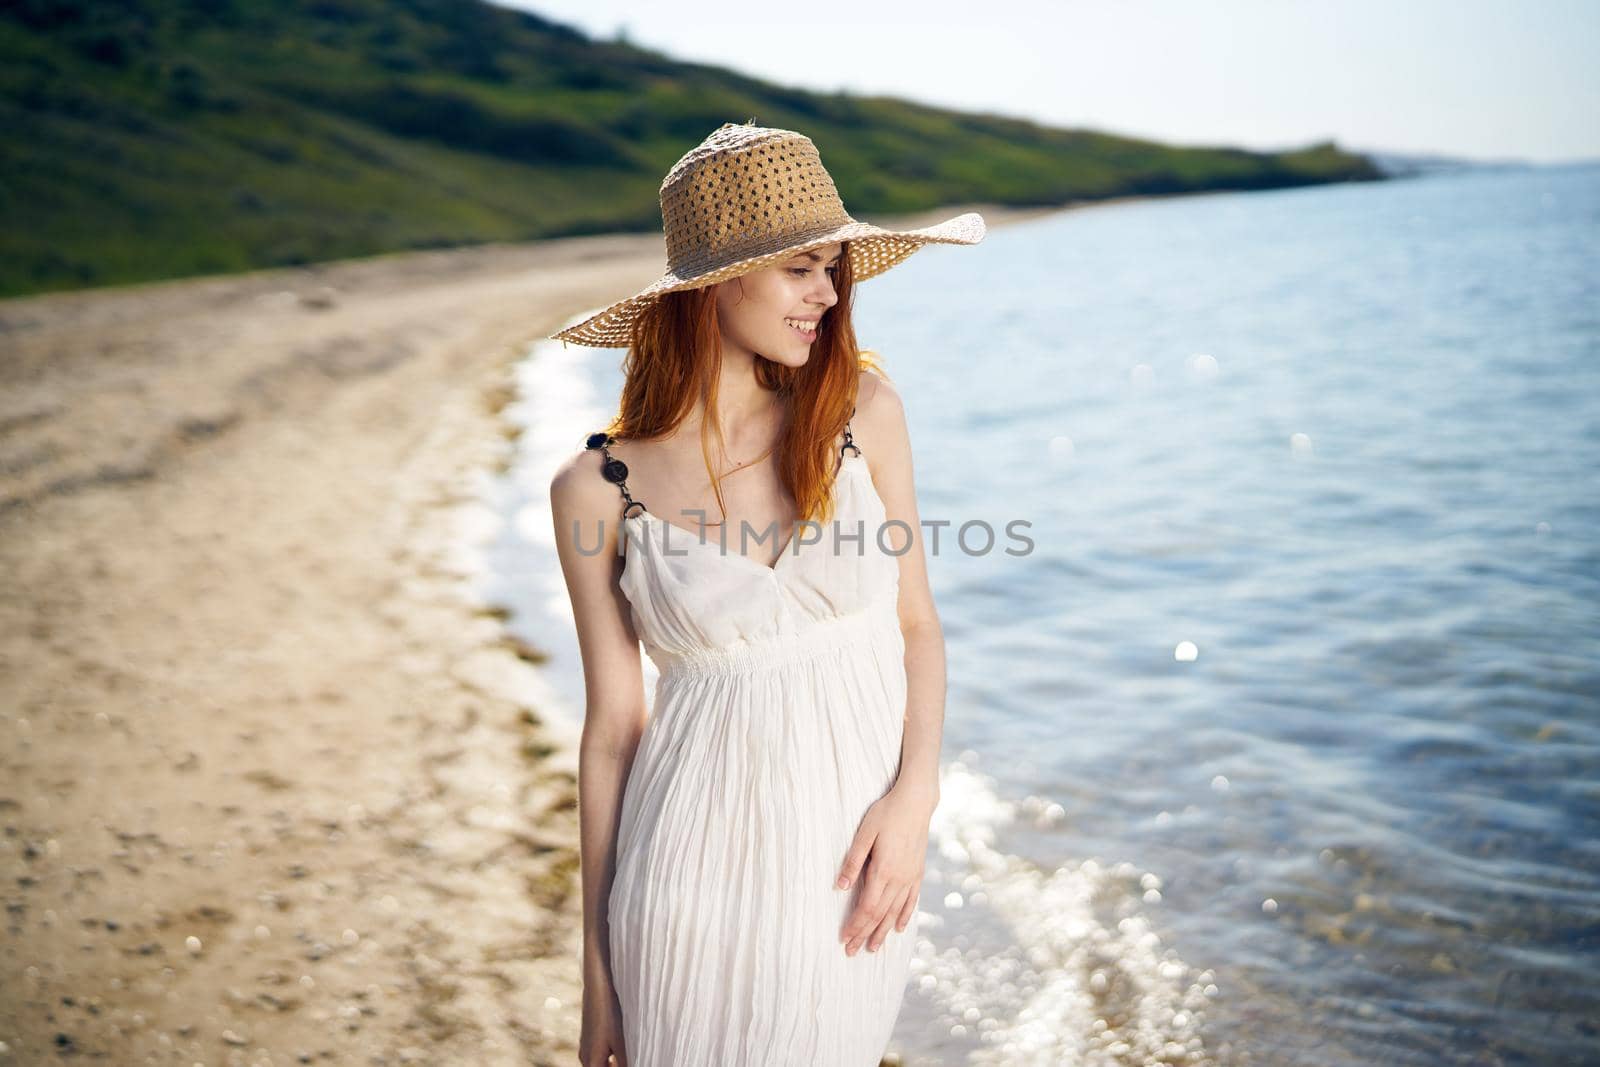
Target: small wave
pixel 1078 973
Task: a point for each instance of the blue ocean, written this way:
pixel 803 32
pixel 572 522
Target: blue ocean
pixel 1278 740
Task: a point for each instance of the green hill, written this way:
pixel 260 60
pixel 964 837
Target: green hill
pixel 147 140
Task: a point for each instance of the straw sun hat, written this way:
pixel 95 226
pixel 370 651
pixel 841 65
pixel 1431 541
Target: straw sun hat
pixel 749 197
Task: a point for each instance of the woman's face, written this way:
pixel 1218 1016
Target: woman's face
pixel 760 311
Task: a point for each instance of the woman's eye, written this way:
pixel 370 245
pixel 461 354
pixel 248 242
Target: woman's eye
pixel 803 271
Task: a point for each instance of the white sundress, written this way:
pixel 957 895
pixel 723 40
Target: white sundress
pixel 777 722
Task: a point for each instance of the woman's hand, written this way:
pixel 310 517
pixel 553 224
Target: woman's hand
pixel 600 1038
pixel 894 832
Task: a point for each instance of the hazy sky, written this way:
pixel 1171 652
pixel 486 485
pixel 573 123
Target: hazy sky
pixel 1478 78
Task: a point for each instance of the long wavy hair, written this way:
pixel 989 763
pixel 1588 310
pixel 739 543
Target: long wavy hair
pixel 675 357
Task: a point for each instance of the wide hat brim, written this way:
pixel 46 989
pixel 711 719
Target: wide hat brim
pixel 873 250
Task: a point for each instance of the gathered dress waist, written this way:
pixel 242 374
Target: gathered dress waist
pixel 820 638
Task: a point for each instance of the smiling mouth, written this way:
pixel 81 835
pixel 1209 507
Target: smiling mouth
pixel 805 329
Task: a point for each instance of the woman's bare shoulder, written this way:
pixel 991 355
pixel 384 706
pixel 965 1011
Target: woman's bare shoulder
pixel 578 489
pixel 879 411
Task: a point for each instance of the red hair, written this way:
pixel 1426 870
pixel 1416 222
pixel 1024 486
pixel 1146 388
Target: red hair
pixel 675 358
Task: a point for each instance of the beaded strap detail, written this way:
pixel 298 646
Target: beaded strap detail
pixel 849 442
pixel 613 469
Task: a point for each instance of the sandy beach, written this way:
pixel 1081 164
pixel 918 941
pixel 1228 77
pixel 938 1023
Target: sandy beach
pixel 274 789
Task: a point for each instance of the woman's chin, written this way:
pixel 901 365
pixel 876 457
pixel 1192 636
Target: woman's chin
pixel 790 358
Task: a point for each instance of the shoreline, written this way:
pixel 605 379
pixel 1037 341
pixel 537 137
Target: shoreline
pixel 277 783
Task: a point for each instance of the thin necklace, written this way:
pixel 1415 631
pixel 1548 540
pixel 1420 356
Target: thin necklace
pixel 748 462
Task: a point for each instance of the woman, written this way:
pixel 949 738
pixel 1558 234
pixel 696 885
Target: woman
pixel 770 818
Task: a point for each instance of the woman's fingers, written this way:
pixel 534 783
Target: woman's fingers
pixel 891 915
pixel 910 907
pixel 856 857
pixel 881 931
pixel 873 916
pixel 601 1055
pixel 867 913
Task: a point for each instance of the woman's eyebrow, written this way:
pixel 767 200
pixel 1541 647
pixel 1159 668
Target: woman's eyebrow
pixel 816 257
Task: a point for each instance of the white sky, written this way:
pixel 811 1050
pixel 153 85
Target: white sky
pixel 1484 79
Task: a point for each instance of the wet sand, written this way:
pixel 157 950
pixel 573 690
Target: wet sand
pixel 274 788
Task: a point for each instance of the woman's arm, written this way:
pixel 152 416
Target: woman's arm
pixel 888 452
pixel 894 832
pixel 586 508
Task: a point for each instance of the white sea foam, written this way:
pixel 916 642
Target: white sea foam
pixel 1075 974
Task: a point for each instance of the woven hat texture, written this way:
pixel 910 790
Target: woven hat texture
pixel 748 197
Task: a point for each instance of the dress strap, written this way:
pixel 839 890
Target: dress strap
pixel 613 469
pixel 849 442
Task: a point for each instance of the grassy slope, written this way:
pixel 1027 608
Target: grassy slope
pixel 149 139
